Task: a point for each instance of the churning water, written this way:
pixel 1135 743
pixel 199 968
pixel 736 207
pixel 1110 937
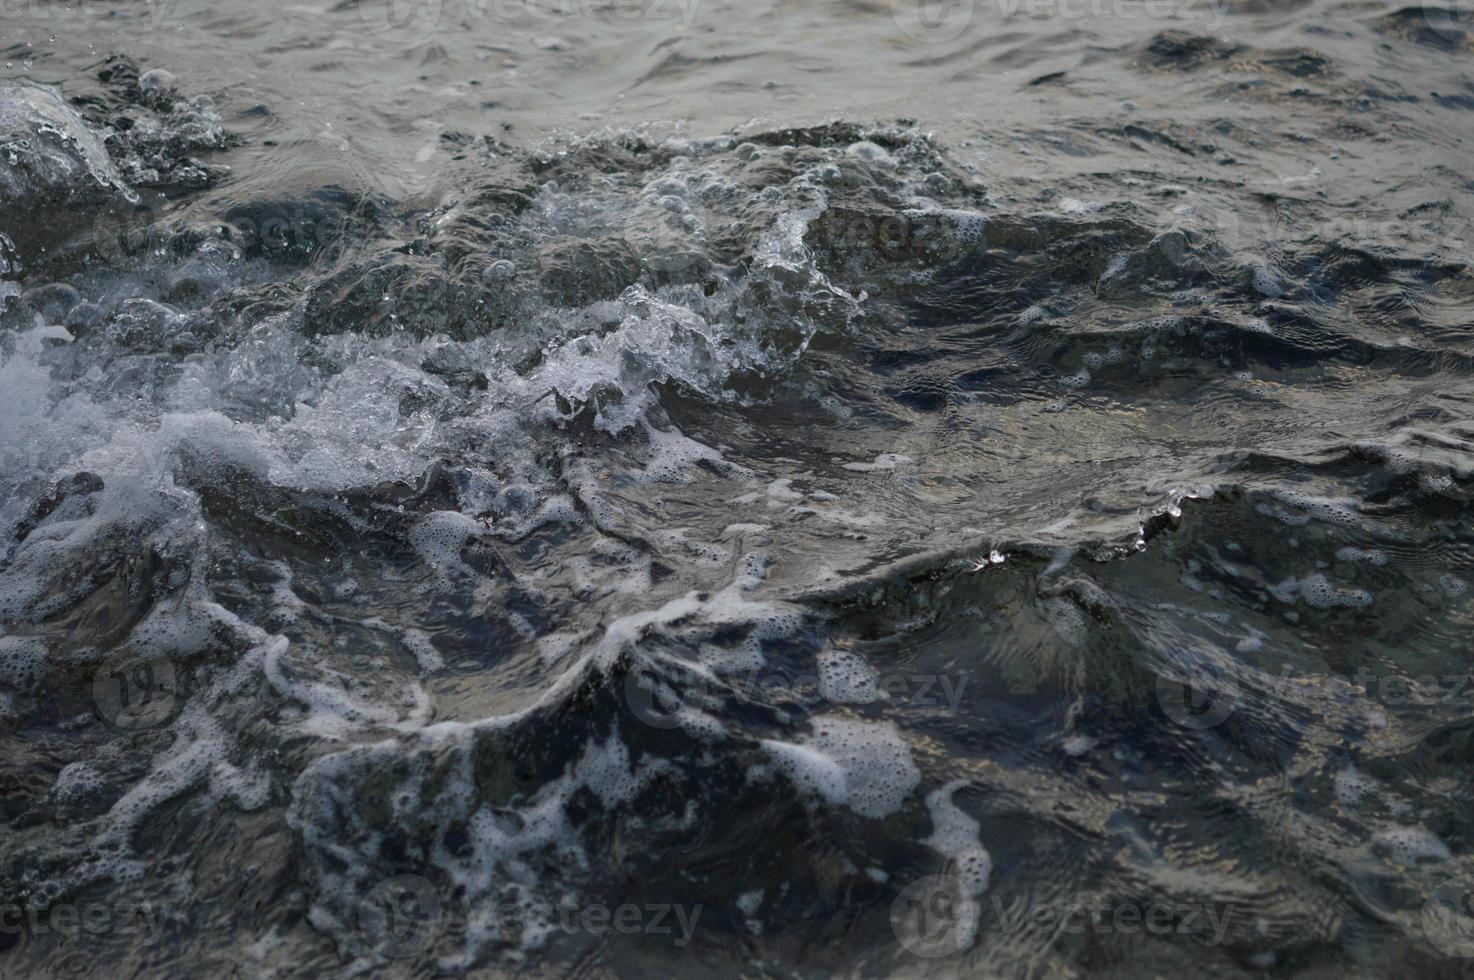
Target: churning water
pixel 714 488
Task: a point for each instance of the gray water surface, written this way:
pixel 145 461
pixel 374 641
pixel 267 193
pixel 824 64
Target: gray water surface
pixel 736 489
